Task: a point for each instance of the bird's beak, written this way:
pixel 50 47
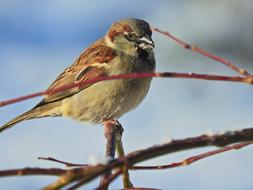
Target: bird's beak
pixel 146 42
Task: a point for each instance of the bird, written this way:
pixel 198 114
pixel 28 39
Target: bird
pixel 127 47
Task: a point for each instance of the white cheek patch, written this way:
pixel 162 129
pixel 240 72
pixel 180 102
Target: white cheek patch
pixel 109 42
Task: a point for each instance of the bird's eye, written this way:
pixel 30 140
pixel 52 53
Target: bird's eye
pixel 130 36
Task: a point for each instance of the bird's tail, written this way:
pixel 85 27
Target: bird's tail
pixel 33 113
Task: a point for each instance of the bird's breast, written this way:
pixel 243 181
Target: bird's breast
pixel 106 100
pixel 111 99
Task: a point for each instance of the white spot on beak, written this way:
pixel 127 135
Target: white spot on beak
pixel 148 41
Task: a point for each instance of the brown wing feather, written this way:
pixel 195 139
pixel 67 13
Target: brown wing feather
pixel 84 68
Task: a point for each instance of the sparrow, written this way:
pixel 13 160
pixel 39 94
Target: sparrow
pixel 127 47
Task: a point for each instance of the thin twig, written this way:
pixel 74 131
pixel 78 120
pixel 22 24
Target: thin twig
pixel 248 80
pixel 125 175
pixel 101 186
pixel 67 164
pixel 109 180
pixel 193 159
pixel 32 171
pixel 203 52
pixel 87 174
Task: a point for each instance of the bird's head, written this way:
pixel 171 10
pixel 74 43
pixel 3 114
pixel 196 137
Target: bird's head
pixel 132 36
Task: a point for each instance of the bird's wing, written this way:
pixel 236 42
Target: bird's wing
pixel 93 62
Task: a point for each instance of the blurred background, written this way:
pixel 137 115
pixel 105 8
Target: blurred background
pixel 38 39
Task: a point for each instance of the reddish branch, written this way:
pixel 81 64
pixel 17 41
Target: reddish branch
pixel 67 164
pixel 185 162
pixel 195 158
pixel 248 80
pixel 203 52
pixel 103 185
pixel 113 132
pixel 32 171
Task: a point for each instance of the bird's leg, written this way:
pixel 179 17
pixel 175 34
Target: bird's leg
pixel 113 131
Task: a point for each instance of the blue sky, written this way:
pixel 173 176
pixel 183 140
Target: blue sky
pixel 38 39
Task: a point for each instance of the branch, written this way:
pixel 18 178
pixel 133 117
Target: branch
pixel 203 52
pixel 185 144
pixel 32 171
pixel 106 182
pixel 113 132
pixel 85 174
pixel 195 158
pixel 185 162
pixel 125 175
pixel 247 80
pixel 67 164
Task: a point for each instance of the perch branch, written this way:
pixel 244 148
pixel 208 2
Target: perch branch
pixel 113 131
